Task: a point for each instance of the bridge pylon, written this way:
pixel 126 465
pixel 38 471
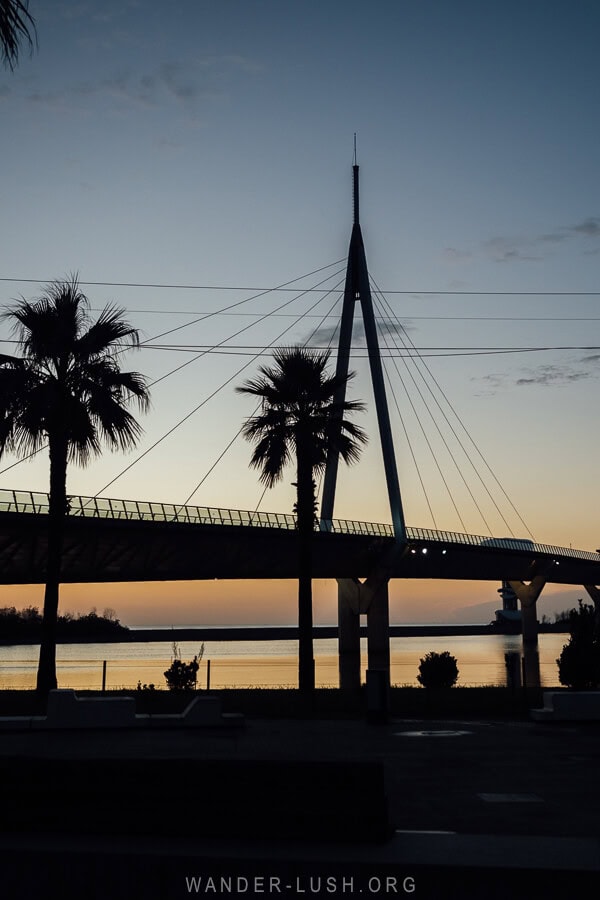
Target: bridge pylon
pixel 357 290
pixel 371 597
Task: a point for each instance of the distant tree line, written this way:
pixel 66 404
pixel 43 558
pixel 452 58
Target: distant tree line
pixel 562 620
pixel 26 625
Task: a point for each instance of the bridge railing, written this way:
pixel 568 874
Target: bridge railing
pixel 487 543
pixel 33 502
pixel 143 510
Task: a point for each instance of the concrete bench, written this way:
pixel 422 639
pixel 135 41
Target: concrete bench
pixel 569 706
pixel 66 710
pixel 201 712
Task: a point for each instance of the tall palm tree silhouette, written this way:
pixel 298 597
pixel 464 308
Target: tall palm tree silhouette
pixel 300 420
pixel 16 25
pixel 66 391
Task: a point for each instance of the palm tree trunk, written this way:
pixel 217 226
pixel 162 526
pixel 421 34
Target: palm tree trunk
pixel 46 676
pixel 305 507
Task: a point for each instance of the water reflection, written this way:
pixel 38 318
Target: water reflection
pixel 482 660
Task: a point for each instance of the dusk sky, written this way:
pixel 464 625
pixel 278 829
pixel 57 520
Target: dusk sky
pixel 210 144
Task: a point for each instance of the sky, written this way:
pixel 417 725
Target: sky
pixel 207 147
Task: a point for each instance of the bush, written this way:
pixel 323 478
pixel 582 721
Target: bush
pixel 438 670
pixel 579 661
pixel 182 676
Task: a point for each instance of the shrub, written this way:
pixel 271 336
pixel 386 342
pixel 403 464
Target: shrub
pixel 182 676
pixel 579 661
pixel 438 670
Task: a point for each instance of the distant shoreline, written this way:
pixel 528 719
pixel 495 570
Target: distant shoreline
pixel 272 633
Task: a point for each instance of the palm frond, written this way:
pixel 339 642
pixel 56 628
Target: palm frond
pixel 271 455
pixel 298 408
pixel 104 376
pixel 83 437
pixel 115 424
pixel 48 327
pixel 68 380
pixel 106 331
pixel 16 25
pixel 15 399
pixel 136 384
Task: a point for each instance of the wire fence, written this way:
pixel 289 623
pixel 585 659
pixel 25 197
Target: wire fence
pixel 223 673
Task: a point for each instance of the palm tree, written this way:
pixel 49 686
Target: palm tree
pixel 299 418
pixel 16 24
pixel 66 391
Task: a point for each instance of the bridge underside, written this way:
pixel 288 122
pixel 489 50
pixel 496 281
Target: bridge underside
pixel 98 550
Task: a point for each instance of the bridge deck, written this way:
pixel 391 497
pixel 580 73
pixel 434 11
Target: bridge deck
pixel 145 510
pixel 134 540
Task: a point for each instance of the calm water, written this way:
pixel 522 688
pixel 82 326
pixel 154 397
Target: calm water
pixel 267 663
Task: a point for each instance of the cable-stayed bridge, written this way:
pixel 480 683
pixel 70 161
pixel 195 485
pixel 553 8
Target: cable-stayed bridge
pixel 120 540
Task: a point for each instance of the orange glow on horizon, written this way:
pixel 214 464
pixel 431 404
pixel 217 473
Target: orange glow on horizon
pixel 231 603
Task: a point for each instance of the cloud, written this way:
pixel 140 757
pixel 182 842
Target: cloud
pixel 511 249
pixel 534 247
pixel 88 9
pixel 169 82
pixel 551 375
pixel 452 254
pixel 184 84
pixel 75 10
pixel 169 144
pixel 590 227
pixel 234 61
pixel 553 238
pixel 557 375
pixel 491 384
pixel 328 334
pixel 55 101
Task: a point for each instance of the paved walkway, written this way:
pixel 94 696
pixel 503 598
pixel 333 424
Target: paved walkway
pixel 485 808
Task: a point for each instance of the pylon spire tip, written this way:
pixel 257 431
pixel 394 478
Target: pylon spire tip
pixel 355 186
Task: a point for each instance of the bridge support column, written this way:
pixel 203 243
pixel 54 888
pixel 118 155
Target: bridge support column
pixel 349 633
pixel 378 630
pixel 528 596
pixel 594 593
pixel 356 598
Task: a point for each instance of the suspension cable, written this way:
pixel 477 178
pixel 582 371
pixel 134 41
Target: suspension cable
pixel 253 297
pixel 263 350
pixel 202 403
pixel 410 447
pixel 241 331
pixel 164 333
pixel 146 343
pixel 221 287
pixel 449 450
pixel 405 337
pixel 423 431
